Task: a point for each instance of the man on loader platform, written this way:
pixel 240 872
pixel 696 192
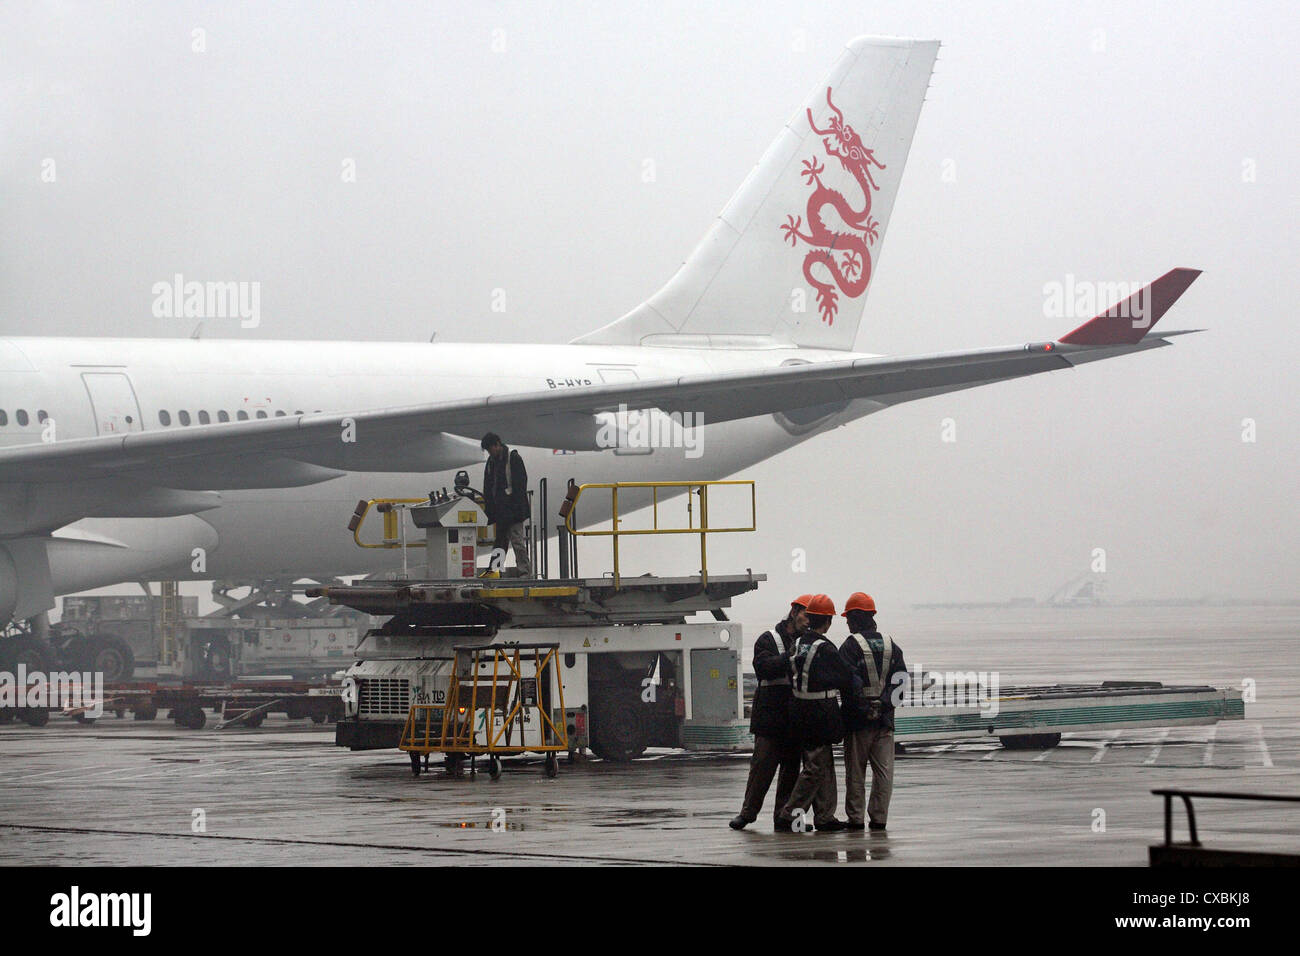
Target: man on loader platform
pixel 505 490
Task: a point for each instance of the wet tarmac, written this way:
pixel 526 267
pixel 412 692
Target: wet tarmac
pixel 128 792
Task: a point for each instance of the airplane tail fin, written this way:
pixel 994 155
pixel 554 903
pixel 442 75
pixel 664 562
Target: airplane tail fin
pixel 792 255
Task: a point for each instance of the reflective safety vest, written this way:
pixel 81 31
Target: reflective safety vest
pixel 802 661
pixel 780 646
pixel 876 677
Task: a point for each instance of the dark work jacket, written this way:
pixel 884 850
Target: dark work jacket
pixel 854 709
pixel 817 722
pixel 770 714
pixel 502 508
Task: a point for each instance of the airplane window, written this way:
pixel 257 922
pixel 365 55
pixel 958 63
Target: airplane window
pixel 279 414
pixel 222 416
pixel 204 418
pixel 184 416
pixel 41 416
pixel 164 418
pixel 22 416
pixel 299 412
pixel 242 415
pixel 261 414
pixel 4 417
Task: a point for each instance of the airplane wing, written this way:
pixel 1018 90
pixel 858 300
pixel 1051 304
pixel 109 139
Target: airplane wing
pixel 181 468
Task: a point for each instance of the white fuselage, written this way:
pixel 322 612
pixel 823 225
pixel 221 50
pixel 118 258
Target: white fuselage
pixel 301 531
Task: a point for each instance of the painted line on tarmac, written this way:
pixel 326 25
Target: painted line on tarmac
pixel 1157 747
pixel 939 750
pixel 283 841
pixel 1263 747
pixel 1103 746
pixel 1208 759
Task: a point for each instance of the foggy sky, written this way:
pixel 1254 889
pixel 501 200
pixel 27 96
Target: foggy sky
pixel 504 146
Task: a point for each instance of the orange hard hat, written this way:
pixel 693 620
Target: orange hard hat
pixel 801 601
pixel 821 604
pixel 859 602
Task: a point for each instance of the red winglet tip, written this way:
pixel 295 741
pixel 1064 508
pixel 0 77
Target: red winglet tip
pixel 1125 323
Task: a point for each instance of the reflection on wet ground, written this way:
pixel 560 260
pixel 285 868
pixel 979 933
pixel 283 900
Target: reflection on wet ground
pixel 283 794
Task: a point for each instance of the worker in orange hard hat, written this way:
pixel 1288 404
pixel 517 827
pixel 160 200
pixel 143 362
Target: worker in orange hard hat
pixel 868 713
pixel 817 672
pixel 769 719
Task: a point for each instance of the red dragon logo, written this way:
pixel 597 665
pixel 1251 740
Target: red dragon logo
pixel 851 271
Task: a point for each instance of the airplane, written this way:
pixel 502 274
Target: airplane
pixel 122 459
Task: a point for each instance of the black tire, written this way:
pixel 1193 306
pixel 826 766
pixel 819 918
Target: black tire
pixel 36 655
pixel 319 718
pixel 111 656
pixel 415 764
pixel 255 720
pixel 552 765
pixel 191 716
pixel 1030 741
pixel 7 716
pixel 27 649
pixel 144 711
pixel 494 768
pixel 617 728
pixel 75 653
pixel 85 719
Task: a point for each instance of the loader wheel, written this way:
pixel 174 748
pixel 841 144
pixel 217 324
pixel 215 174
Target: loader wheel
pixel 617 731
pixel 494 768
pixel 145 711
pixel 190 715
pixel 552 765
pixel 111 656
pixel 37 656
pixel 27 649
pixel 415 764
pixel 75 653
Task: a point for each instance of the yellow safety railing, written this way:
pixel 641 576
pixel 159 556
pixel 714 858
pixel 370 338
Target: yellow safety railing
pixel 703 529
pixel 394 529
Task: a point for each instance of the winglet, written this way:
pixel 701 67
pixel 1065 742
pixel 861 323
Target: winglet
pixel 1125 323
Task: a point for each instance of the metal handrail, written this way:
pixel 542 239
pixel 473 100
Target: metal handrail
pixel 1186 796
pixel 692 487
pixel 394 527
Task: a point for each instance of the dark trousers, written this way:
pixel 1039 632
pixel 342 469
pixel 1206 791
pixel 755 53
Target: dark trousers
pixel 815 786
pixel 770 754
